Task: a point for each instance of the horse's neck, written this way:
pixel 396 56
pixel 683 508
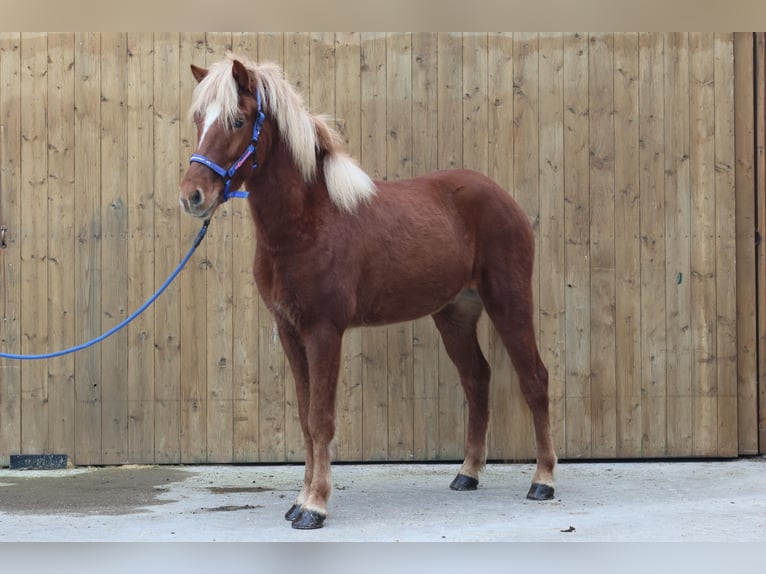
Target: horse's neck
pixel 278 201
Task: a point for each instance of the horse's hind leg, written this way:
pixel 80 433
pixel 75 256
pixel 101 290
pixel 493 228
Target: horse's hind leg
pixel 457 325
pixel 512 316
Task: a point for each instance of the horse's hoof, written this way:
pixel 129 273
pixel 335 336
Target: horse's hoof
pixel 463 482
pixel 308 520
pixel 293 513
pixel 540 492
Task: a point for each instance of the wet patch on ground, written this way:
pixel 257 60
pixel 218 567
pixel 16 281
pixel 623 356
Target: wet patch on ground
pixel 231 508
pixel 238 489
pixel 110 491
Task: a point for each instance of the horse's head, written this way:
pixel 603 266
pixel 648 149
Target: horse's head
pixel 227 112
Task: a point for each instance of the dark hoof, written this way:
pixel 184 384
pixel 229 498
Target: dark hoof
pixel 463 482
pixel 540 492
pixel 308 520
pixel 293 513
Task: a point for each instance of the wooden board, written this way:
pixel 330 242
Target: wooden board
pixel 88 230
pixel 10 255
pixel 746 215
pixel 495 157
pixel 703 255
pixel 272 368
pixel 726 265
pixel 652 213
pixel 449 89
pixel 552 263
pixel 373 160
pixel 399 337
pixel 167 253
pixel 425 337
pixel 641 199
pixel 760 161
pixel 114 248
pixel 602 242
pixel 193 281
pixel 245 396
pixel 678 244
pixel 34 243
pixel 577 232
pixel 348 117
pixel 61 242
pixel 627 239
pixel 140 257
pixel 220 253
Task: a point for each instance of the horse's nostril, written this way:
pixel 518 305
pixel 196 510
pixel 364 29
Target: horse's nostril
pixel 196 198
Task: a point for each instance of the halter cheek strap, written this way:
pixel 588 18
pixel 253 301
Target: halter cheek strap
pixel 228 174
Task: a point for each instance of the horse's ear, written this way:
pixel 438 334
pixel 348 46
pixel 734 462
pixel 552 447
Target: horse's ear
pixel 242 76
pixel 198 73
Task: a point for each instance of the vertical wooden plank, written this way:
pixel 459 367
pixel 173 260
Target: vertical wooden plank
pixel 475 92
pixel 760 159
pixel 167 359
pixel 88 252
pixel 192 283
pixel 500 117
pixel 348 116
pixel 245 327
pixel 501 135
pixel 499 154
pixel 552 263
pixel 373 160
pixel 627 237
pixel 219 310
pixel 602 237
pixel 114 218
pixel 704 202
pixel 425 337
pixel 311 60
pixel 61 241
pixel 725 248
pixel 678 243
pixel 452 411
pixel 272 368
pixel 526 188
pixel 652 208
pixel 140 256
pixel 576 225
pixel 10 257
pixel 34 242
pixel 307 58
pixel 746 222
pixel 399 337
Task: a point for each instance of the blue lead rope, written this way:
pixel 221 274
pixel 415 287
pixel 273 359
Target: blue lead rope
pixel 113 330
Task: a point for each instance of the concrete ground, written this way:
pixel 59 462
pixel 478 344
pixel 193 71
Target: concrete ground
pixel 607 501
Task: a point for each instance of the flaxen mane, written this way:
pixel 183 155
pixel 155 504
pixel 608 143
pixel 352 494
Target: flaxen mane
pixel 304 134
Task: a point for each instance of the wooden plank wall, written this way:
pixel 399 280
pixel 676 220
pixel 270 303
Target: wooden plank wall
pixel 760 175
pixel 627 151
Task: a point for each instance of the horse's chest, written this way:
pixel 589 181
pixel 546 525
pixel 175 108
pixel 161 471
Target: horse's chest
pixel 286 288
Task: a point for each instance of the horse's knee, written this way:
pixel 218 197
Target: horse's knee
pixel 321 428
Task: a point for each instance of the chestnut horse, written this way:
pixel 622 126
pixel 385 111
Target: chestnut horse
pixel 336 250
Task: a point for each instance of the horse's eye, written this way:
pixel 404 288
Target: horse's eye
pixel 238 123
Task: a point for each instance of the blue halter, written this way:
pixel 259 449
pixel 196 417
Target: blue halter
pixel 228 174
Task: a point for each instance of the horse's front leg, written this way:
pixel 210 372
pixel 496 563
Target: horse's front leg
pixel 296 356
pixel 323 347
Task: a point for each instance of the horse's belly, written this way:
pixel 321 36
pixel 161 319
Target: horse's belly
pixel 402 296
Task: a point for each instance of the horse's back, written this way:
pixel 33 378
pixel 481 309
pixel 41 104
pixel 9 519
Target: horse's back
pixel 425 239
pixel 478 207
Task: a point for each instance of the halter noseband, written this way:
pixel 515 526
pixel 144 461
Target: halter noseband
pixel 228 174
